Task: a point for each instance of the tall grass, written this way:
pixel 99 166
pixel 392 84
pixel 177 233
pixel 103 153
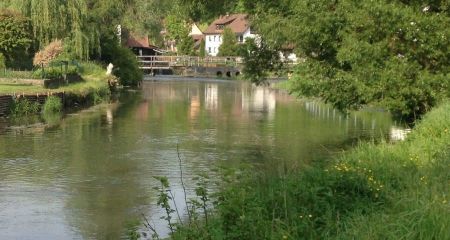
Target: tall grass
pixel 384 191
pixel 52 105
pixel 14 74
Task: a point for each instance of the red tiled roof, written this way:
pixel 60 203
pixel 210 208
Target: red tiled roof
pixel 138 42
pixel 238 23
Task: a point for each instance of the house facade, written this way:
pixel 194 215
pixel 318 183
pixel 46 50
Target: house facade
pixel 239 25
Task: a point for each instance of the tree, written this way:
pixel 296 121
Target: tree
pixel 259 60
pixel 392 54
pixel 229 45
pixel 186 45
pixel 202 50
pixel 15 37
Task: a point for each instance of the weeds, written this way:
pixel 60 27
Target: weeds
pixel 23 107
pixel 52 105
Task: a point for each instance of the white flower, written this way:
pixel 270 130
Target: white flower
pixel 426 9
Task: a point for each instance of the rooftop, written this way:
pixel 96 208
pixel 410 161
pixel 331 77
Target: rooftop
pixel 238 23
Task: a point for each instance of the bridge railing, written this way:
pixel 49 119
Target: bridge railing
pixel 187 61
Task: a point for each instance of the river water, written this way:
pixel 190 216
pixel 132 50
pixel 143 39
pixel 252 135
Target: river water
pixel 90 175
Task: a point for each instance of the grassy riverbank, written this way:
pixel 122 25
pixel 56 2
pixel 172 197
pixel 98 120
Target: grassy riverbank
pixel 93 76
pixel 91 88
pixel 376 191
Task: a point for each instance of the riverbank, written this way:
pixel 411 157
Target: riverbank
pixel 92 88
pixel 376 191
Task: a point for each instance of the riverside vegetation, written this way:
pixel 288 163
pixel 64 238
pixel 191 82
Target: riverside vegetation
pixel 375 191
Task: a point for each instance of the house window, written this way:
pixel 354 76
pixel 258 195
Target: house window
pixel 214 38
pixel 215 49
pixel 241 38
pixel 220 38
pixel 220 26
pixel 210 38
pixel 209 50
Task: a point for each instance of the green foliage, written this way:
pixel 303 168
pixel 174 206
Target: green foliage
pixel 52 105
pixel 373 192
pixel 205 11
pixel 126 67
pixel 56 19
pixel 202 48
pixel 15 39
pixel 392 54
pixel 55 71
pixel 229 45
pixel 23 107
pixel 259 60
pixel 186 45
pixel 5 73
pixel 2 61
pixel 177 27
pixel 125 63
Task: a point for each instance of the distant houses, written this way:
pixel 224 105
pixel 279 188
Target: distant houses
pixel 213 36
pixel 239 25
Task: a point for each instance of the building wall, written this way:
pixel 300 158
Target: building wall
pixel 195 30
pixel 213 42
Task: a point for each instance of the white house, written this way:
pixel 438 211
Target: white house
pixel 238 23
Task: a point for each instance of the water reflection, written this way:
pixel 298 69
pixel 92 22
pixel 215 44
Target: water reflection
pixel 91 173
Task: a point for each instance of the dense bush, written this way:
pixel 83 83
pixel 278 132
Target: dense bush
pixel 23 107
pixel 126 66
pixel 15 38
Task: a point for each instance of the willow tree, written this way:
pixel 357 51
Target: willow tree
pixel 61 19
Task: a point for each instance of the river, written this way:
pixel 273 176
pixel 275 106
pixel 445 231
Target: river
pixel 90 175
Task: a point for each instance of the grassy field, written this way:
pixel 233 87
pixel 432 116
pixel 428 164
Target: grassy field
pixel 376 191
pixel 6 88
pixel 94 78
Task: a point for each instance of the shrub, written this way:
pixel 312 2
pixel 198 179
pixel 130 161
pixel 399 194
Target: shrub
pixel 55 72
pixel 15 38
pixel 23 107
pixel 48 54
pixel 126 67
pixel 52 105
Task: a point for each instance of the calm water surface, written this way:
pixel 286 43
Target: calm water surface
pixel 90 175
